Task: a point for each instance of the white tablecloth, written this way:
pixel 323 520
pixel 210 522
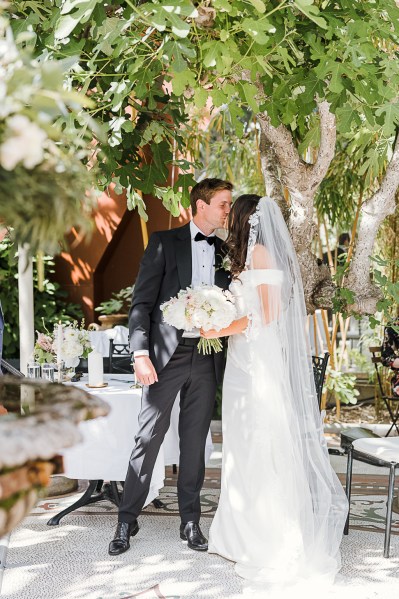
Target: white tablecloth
pixel 108 442
pixel 100 339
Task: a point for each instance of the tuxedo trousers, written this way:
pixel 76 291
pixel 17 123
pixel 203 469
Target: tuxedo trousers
pixel 193 374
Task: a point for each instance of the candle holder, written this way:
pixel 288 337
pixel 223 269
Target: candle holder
pixel 60 368
pixel 96 386
pixel 48 372
pixel 33 370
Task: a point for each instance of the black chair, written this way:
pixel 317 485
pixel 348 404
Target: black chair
pixel 382 452
pixel 377 451
pixel 319 364
pixel 387 399
pixel 120 359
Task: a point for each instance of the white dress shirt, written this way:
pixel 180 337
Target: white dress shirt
pixel 202 264
pixel 203 270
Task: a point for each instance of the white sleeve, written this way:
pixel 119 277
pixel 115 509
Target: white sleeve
pixel 265 276
pixel 141 352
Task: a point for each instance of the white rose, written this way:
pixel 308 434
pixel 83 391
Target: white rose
pixel 175 314
pixel 25 144
pixel 201 318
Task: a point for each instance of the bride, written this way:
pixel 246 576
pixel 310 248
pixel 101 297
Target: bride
pixel 282 509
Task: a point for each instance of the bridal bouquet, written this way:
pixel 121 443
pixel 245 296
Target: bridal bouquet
pixel 67 343
pixel 207 307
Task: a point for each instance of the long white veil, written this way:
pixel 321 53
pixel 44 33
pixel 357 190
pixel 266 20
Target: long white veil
pixel 311 504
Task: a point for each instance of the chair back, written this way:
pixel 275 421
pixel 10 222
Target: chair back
pixel 120 359
pixel 376 359
pixel 319 364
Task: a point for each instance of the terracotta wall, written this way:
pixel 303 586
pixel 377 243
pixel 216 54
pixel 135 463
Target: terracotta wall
pixel 94 268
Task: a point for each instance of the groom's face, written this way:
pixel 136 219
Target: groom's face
pixel 216 212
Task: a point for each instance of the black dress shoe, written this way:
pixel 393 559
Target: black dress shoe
pixel 120 542
pixel 192 533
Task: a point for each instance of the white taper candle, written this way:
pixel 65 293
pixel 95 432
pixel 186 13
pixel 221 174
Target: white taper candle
pixel 95 369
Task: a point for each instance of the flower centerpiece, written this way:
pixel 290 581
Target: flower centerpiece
pixel 67 344
pixel 204 307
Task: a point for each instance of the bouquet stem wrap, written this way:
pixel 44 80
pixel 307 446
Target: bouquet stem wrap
pixel 206 346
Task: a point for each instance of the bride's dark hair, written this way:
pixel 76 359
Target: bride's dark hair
pixel 237 240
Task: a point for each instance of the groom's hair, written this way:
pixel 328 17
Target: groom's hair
pixel 205 190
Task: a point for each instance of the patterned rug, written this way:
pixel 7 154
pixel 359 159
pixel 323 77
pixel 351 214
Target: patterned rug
pixel 368 506
pixel 168 496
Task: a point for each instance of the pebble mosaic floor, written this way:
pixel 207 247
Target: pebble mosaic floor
pixel 70 561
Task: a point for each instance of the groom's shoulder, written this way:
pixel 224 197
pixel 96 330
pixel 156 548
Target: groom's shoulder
pixel 172 233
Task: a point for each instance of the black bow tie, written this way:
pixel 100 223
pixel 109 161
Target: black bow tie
pixel 201 237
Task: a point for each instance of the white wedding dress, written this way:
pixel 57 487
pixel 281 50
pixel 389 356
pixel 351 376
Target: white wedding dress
pixel 282 509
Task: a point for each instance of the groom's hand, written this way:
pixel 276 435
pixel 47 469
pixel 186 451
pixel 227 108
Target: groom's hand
pixel 145 371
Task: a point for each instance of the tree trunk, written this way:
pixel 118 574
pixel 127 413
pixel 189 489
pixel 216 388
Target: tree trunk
pixel 302 180
pixel 269 165
pixel 373 212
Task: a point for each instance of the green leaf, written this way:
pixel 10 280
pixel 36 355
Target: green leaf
pixel 335 81
pixel 346 116
pixel 170 11
pixel 170 199
pixel 250 91
pixel 200 97
pixel 135 200
pixel 179 27
pixel 273 113
pixel 73 13
pixel 236 115
pixel 391 117
pixel 218 98
pixel 183 183
pixel 311 139
pixel 224 35
pixel 178 63
pixel 181 80
pixel 213 52
pixel 259 5
pixel 223 5
pixel 307 8
pixel 256 29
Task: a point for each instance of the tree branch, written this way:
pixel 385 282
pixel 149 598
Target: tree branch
pixel 270 171
pixel 328 137
pixel 282 163
pixel 293 168
pixel 373 212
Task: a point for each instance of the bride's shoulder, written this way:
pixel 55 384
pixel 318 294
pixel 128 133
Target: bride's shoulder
pixel 261 258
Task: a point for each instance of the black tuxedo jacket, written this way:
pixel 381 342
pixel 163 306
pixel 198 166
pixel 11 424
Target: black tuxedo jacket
pixel 165 269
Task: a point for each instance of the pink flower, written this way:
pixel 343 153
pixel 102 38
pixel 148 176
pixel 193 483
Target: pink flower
pixel 44 342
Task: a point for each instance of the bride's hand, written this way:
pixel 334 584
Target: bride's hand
pixel 211 334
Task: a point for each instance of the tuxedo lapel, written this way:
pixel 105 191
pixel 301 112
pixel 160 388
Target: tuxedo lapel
pixel 183 256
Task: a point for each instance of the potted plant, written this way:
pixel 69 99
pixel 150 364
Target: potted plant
pixel 115 310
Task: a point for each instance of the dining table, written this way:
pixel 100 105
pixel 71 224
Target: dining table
pixel 102 456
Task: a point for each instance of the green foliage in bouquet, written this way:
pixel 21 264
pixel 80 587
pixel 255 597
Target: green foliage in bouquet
pixel 44 181
pixel 51 305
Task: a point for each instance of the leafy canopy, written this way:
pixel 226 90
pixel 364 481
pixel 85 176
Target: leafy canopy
pixel 147 64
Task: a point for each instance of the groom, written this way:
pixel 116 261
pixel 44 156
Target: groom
pixel 166 361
